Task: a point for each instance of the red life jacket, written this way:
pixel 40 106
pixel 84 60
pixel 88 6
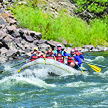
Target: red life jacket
pixel 50 55
pixel 34 57
pixel 78 53
pixel 60 58
pixel 70 60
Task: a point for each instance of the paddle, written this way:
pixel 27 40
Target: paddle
pixel 27 61
pixel 97 65
pixel 95 68
pixel 18 64
pixel 76 64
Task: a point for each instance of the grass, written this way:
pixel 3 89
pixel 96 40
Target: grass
pixel 74 30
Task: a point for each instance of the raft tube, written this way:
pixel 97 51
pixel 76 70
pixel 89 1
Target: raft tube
pixel 53 66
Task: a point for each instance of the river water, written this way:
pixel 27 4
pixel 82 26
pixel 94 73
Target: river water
pixel 28 90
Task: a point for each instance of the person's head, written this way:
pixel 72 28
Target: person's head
pixel 35 48
pixel 59 47
pixel 76 50
pixel 34 53
pixel 72 51
pixel 49 50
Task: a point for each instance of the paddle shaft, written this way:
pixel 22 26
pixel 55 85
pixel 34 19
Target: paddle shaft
pixel 76 63
pixel 18 64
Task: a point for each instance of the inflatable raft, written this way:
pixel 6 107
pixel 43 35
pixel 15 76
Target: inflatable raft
pixel 54 67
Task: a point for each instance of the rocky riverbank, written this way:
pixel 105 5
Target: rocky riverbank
pixel 16 41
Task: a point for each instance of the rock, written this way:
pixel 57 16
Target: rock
pixel 8 38
pixel 70 44
pixel 3 59
pixel 29 38
pixel 88 47
pixel 3 21
pixel 21 32
pixel 12 21
pixel 1 45
pixel 10 29
pixel 100 48
pixel 37 42
pixel 79 48
pixel 68 49
pixel 2 35
pixel 94 50
pixel 0 4
pixel 3 51
pixel 35 35
pixel 105 48
pixel 43 47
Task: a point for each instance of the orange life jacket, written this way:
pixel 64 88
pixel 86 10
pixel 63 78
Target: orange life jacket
pixel 78 53
pixel 70 60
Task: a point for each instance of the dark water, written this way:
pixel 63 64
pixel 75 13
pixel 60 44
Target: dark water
pixel 33 89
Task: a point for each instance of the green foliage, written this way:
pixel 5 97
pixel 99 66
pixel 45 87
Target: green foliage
pixel 93 6
pixel 72 29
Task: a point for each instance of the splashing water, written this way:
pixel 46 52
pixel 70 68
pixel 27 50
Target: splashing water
pixel 36 88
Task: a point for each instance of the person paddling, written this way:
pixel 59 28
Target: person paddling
pixel 49 54
pixel 60 54
pixel 74 60
pixel 35 54
pixel 79 54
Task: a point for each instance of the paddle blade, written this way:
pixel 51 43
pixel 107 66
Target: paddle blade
pixel 95 68
pixel 19 70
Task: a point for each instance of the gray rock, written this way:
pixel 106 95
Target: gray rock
pixel 43 47
pixel 10 29
pixel 105 48
pixel 68 49
pixel 29 38
pixel 35 35
pixel 94 50
pixel 100 48
pixel 3 21
pixel 2 35
pixel 88 47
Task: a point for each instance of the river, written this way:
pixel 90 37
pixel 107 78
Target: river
pixel 26 90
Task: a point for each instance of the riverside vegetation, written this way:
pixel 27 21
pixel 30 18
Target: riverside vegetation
pixel 73 29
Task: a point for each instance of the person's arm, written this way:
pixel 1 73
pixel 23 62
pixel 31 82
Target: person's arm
pixel 78 59
pixel 66 54
pixel 81 56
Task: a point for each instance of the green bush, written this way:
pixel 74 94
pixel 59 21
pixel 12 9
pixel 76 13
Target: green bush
pixel 72 29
